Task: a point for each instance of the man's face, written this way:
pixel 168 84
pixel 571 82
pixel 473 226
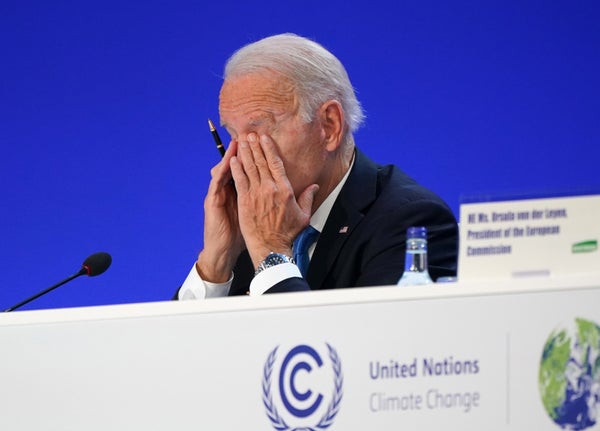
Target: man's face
pixel 266 104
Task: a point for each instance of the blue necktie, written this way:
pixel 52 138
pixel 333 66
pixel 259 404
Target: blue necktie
pixel 301 245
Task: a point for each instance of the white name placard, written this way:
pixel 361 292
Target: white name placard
pixel 529 237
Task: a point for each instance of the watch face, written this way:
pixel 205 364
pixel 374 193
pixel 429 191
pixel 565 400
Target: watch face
pixel 273 259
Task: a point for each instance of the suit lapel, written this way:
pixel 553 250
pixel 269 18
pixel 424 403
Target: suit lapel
pixel 347 212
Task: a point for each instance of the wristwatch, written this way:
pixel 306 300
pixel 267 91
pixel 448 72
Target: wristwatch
pixel 273 259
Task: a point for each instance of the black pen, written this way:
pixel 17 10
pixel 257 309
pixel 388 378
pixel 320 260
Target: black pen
pixel 216 137
pixel 220 147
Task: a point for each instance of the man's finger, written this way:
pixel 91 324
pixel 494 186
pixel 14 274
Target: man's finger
pixel 246 158
pixel 262 167
pixel 306 199
pixel 273 159
pixel 239 175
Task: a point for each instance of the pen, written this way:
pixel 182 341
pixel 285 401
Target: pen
pixel 213 132
pixel 220 147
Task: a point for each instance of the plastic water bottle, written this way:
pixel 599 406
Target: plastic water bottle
pixel 415 263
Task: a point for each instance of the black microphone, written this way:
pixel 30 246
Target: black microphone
pixel 95 264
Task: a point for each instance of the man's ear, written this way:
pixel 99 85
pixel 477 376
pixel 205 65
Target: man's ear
pixel 333 122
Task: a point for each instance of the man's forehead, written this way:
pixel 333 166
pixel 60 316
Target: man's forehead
pixel 256 89
pixel 252 120
pixel 256 98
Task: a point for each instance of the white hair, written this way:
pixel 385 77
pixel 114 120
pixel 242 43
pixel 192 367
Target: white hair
pixel 316 74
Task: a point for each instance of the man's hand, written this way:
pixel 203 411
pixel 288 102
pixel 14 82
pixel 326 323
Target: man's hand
pixel 270 217
pixel 223 241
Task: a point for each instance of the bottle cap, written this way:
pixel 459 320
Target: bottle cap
pixel 416 232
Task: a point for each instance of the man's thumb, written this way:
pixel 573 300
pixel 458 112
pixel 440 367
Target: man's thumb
pixel 305 201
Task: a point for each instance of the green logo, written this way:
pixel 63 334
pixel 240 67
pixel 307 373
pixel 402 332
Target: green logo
pixel 569 378
pixel 585 246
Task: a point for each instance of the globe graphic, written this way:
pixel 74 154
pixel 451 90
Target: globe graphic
pixel 569 378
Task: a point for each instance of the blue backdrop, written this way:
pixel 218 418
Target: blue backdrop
pixel 104 105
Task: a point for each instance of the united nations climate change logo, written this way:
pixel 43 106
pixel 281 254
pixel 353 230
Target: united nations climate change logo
pixel 569 378
pixel 303 391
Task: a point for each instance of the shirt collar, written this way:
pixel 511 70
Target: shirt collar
pixel 320 216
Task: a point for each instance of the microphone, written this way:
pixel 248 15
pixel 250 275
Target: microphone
pixel 94 265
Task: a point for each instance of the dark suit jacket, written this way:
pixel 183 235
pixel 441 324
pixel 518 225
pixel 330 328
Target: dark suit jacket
pixel 363 241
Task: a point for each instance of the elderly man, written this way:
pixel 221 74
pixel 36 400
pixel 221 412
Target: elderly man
pixel 292 172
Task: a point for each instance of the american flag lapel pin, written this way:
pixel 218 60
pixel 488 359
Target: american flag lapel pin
pixel 343 229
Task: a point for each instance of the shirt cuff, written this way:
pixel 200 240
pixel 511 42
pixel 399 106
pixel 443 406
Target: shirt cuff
pixel 195 288
pixel 269 277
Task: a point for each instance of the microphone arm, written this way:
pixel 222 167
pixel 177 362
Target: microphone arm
pixel 43 292
pixel 94 265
